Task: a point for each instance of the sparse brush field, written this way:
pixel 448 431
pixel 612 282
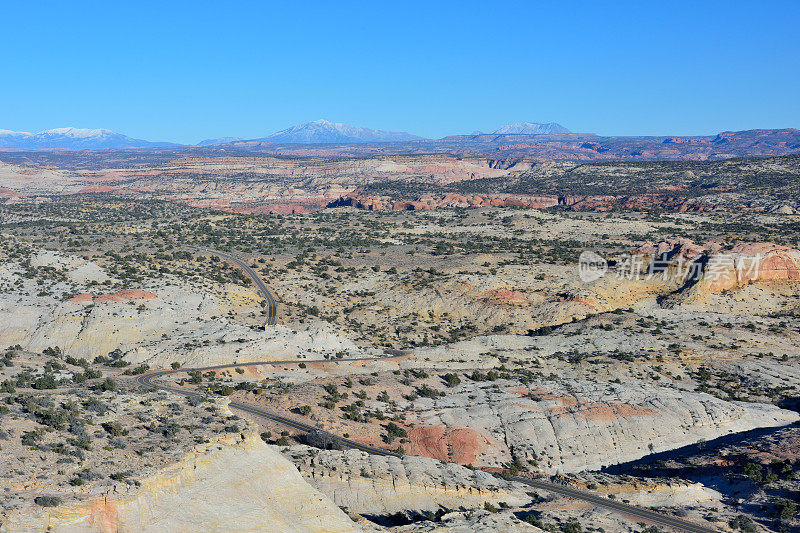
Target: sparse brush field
pixel 506 360
pixel 389 279
pixel 72 428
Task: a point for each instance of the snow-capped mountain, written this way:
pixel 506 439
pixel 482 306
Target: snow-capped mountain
pixel 531 128
pixel 10 133
pixel 220 140
pixel 72 139
pixel 322 131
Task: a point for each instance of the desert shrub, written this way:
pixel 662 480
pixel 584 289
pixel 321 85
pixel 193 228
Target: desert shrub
pixel 114 429
pixel 571 526
pixel 107 385
pixel 451 379
pixel 47 381
pixel 787 509
pixel 94 404
pixel 744 524
pixel 53 351
pixel 429 392
pixel 47 501
pixel 393 431
pixel 141 369
pixel 31 438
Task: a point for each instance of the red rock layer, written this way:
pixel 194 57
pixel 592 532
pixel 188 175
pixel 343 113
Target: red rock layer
pixel 125 295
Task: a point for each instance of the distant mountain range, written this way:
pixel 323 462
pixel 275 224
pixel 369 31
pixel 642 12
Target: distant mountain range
pixel 315 132
pixel 524 139
pixel 498 149
pixel 324 132
pixel 221 140
pixel 531 128
pixel 73 139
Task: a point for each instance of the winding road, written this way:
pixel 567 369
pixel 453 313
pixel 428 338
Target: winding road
pixel 272 305
pixel 148 380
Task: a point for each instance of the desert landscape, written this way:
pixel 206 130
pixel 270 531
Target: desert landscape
pixel 411 368
pixel 398 267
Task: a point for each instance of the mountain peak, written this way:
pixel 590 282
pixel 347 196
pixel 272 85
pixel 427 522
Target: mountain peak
pixel 14 133
pixel 326 132
pixel 79 133
pixel 71 138
pixel 219 140
pixel 531 128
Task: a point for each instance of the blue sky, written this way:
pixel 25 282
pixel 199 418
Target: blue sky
pixel 187 71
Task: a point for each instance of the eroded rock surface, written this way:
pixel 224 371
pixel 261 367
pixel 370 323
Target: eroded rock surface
pixel 238 484
pixel 379 485
pixel 585 426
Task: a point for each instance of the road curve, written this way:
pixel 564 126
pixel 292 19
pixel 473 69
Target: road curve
pixel 272 305
pixel 147 380
pixel 622 508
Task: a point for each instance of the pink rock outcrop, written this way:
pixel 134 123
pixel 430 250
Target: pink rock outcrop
pixel 722 269
pixel 458 444
pixel 752 262
pixel 125 295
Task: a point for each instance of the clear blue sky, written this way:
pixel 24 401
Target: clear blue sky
pixel 187 71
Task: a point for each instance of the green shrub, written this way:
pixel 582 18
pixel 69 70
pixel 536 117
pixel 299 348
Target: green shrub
pixel 47 381
pixel 47 501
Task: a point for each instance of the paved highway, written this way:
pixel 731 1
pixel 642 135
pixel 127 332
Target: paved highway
pixel 622 508
pixel 272 305
pixel 148 380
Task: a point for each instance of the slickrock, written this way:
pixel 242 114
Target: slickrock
pixel 745 263
pixel 709 268
pixel 369 484
pixel 125 295
pixel 577 425
pixel 506 296
pixel 235 484
pixel 667 494
pixel 76 269
pixel 32 181
pixel 674 249
pixel 157 324
pixel 460 444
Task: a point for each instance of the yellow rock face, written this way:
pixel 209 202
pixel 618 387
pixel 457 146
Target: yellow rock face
pixel 238 484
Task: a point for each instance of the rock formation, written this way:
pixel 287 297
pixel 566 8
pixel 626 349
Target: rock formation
pixel 376 485
pixel 711 269
pixel 235 484
pixel 572 425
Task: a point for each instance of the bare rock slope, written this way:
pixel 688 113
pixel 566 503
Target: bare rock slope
pixel 370 484
pixel 238 485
